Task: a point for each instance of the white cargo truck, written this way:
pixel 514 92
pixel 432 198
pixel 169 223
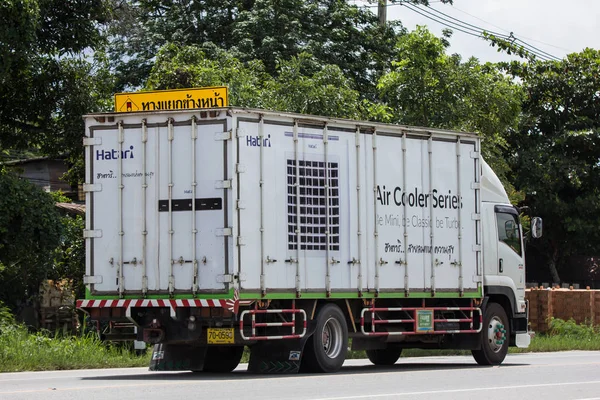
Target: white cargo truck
pixel 211 230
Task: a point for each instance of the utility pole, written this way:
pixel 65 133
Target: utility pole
pixel 382 12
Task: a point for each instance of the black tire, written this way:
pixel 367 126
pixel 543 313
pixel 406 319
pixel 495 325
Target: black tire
pixel 222 359
pixel 495 335
pixel 326 349
pixel 387 356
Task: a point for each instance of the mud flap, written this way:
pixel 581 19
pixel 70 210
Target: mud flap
pixel 173 357
pixel 278 356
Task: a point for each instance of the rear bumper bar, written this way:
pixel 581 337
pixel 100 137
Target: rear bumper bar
pixel 127 304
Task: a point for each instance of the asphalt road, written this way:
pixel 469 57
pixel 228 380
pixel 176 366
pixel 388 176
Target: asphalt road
pixel 547 376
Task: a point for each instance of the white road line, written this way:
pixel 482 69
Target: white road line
pixel 367 396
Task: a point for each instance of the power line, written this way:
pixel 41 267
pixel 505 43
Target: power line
pixel 433 18
pixel 501 35
pixel 476 17
pixel 496 26
pixel 478 31
pixel 535 48
pixel 467 24
pixel 471 29
pixel 475 31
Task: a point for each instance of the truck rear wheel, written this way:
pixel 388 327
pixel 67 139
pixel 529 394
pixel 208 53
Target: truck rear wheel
pixel 387 356
pixel 222 359
pixel 494 336
pixel 326 350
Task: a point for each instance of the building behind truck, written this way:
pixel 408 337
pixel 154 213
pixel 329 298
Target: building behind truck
pixel 211 230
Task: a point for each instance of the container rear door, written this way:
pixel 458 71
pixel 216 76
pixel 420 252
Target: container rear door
pixel 289 190
pixel 157 206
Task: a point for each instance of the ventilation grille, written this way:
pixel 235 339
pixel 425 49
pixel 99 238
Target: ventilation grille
pixel 313 206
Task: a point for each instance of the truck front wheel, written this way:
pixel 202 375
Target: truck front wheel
pixel 326 350
pixel 494 336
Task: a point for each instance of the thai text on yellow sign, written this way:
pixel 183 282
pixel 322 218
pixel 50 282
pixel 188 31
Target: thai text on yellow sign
pixel 180 99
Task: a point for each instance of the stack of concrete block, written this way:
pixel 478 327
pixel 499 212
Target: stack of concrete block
pixel 540 308
pixel 583 306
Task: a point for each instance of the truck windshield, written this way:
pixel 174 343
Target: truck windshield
pixel 508 231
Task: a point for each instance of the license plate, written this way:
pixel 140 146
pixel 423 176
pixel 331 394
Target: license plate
pixel 220 336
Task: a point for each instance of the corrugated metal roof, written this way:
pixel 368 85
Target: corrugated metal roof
pixel 72 208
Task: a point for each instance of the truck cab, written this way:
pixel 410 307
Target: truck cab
pixel 503 255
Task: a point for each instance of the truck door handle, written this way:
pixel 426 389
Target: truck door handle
pixel 501 266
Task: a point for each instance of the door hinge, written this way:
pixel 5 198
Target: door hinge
pixel 231 278
pixel 95 279
pixel 223 135
pixel 227 278
pixel 226 184
pixel 223 232
pixel 92 187
pixel 87 233
pixel 92 141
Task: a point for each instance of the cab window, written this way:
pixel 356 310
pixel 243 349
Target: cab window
pixel 508 231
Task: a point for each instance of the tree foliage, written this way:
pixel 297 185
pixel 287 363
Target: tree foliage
pixel 556 151
pixel 30 230
pixel 191 66
pixel 69 256
pixel 333 31
pixel 302 84
pixel 428 87
pixel 48 78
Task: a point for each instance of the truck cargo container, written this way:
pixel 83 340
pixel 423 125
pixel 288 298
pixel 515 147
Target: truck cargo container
pixel 296 235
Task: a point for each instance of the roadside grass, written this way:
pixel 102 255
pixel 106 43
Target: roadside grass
pixel 21 350
pixel 564 335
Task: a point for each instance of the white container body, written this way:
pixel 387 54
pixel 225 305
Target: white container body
pixel 202 203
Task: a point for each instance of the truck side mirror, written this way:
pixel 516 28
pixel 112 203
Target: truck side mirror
pixel 536 227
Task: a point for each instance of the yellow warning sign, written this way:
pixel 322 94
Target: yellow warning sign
pixel 179 99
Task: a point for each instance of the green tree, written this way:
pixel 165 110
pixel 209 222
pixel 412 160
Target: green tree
pixel 69 256
pixel 333 31
pixel 190 66
pixel 555 153
pixel 428 87
pixel 29 232
pixel 301 83
pixel 48 76
pixel 305 86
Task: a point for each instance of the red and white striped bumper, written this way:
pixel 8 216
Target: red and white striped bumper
pixel 127 304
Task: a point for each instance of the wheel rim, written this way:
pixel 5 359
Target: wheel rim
pixel 496 334
pixel 332 338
